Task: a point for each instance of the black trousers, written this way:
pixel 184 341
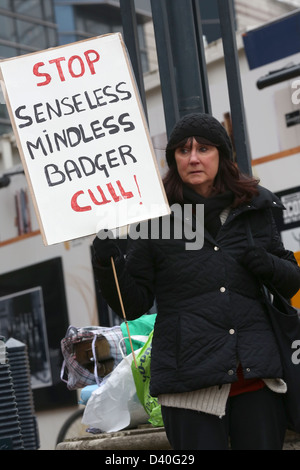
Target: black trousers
pixel 253 421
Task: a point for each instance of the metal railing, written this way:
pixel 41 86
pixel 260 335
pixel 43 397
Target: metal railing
pixel 182 67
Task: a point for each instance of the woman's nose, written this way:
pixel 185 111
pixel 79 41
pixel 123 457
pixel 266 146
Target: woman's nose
pixel 194 156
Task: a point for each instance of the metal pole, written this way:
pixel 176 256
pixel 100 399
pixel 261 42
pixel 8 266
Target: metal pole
pixel 234 86
pixel 201 55
pixel 132 43
pixel 186 58
pixel 166 64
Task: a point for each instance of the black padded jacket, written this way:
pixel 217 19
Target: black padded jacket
pixel 209 309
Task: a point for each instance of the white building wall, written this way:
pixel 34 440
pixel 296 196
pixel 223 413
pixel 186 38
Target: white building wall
pixel 257 12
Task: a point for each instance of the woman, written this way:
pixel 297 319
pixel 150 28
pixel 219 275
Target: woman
pixel 215 367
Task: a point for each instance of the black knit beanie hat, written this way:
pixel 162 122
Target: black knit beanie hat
pixel 205 126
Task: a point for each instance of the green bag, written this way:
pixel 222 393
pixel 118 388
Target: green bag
pixel 142 326
pixel 141 376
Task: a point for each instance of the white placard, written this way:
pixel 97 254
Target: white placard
pixel 83 138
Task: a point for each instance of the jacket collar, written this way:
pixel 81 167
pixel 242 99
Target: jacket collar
pixel 266 199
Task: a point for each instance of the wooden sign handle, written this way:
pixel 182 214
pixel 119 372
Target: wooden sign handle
pixel 122 307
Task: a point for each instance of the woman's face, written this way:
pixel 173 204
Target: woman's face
pixel 197 165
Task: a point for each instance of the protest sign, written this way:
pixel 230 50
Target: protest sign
pixel 83 138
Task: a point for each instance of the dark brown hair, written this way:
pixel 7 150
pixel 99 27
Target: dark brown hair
pixel 229 177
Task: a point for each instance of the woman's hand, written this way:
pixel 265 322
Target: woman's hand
pixel 259 262
pixel 104 247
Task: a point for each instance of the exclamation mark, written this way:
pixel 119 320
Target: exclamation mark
pixel 137 185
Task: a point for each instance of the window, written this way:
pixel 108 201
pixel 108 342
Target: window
pixel 29 8
pixel 31 34
pixel 96 20
pixel 5 4
pixel 7 51
pixel 7 29
pixel 25 26
pixel 5 128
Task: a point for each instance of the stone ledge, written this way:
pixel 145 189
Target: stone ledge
pixel 145 438
pixel 292 441
pixel 134 439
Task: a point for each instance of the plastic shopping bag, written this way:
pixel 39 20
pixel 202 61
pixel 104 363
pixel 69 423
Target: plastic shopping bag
pixel 141 376
pixel 138 328
pixel 90 353
pixel 115 405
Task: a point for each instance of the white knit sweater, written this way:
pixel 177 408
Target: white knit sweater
pixel 211 400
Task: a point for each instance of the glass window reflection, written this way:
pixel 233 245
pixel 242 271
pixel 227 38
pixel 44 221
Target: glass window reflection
pixel 31 34
pixel 28 7
pixel 7 28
